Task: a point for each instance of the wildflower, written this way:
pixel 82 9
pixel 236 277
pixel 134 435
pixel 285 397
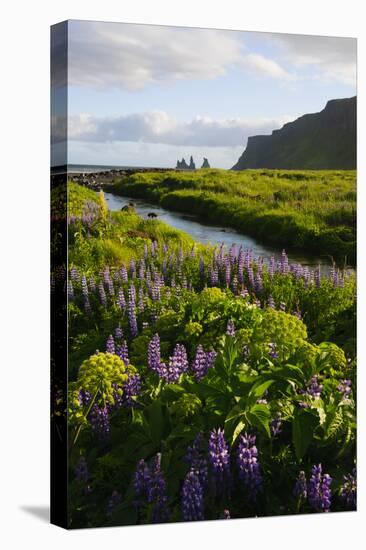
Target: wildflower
pixel 110 347
pixel 319 492
pixel 249 467
pixel 99 420
pixel 202 362
pixel 219 460
pixel 192 498
pixel 348 492
pixel 178 364
pixel 300 489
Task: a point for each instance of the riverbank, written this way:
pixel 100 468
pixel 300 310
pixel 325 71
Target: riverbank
pixel 314 211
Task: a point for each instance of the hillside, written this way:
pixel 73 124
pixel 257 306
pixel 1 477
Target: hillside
pixel 317 141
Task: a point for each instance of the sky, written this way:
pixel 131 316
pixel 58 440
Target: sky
pixel 145 95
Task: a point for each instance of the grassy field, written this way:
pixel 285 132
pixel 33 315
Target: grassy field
pixel 310 210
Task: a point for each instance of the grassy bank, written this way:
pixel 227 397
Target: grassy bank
pixel 310 210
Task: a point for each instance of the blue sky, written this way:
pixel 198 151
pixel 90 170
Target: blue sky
pixel 147 95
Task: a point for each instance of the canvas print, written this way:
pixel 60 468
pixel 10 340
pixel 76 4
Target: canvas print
pixel 203 284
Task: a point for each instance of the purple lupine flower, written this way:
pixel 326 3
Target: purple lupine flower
pixel 118 333
pixel 214 276
pixel 156 492
pixel 258 283
pixel 249 467
pixel 102 294
pixel 178 364
pixel 203 362
pixel 124 274
pixel 227 274
pixel 122 352
pixel 99 420
pixel 133 269
pixel 141 479
pixel 121 301
pixel 74 274
pixel 284 263
pixel 131 389
pixel 153 354
pixel 344 387
pixel 199 363
pixel 84 397
pixel 276 425
pixel 219 460
pixel 301 489
pixel 230 328
pixel 142 269
pixel 81 470
pixel 196 460
pixel 271 302
pixel 110 347
pixel 314 389
pixel 132 320
pixel 192 498
pixel 114 501
pixel 348 492
pixel 319 492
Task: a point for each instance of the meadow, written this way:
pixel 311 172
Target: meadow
pixel 309 210
pixel 205 383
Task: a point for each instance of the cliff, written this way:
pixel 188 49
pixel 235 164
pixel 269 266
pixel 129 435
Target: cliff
pixel 317 141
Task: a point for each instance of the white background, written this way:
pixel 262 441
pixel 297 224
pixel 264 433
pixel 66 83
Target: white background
pixel 24 309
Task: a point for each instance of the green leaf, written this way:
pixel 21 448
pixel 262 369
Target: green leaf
pixel 259 416
pixel 303 427
pixel 239 428
pixel 259 388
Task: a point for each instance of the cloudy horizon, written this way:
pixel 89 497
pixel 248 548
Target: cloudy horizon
pixel 149 95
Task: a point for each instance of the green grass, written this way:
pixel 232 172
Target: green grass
pixel 310 210
pixel 120 238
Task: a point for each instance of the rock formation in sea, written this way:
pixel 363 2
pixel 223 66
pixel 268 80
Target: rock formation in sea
pixel 205 163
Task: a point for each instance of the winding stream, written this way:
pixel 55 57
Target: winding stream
pixel 215 235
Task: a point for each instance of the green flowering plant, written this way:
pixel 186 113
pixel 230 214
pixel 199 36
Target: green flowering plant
pixel 103 374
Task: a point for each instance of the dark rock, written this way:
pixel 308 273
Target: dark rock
pixel 205 163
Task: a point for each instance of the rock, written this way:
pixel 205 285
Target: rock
pixel 205 163
pixel 192 165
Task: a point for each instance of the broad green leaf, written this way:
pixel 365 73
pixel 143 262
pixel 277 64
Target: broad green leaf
pixel 259 416
pixel 303 427
pixel 260 388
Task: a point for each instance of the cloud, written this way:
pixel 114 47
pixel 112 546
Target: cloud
pixel 160 127
pixel 261 64
pixel 127 56
pixel 331 58
pixel 131 57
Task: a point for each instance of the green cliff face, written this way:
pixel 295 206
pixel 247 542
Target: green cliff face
pixel 318 141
